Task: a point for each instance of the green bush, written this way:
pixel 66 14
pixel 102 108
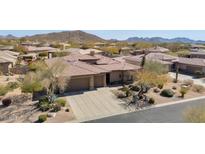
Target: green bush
pixel 61 102
pixel 151 101
pixel 135 87
pixel 3 90
pixel 167 93
pixel 12 85
pixel 183 91
pixel 31 87
pixel 44 106
pixel 42 118
pixel 126 90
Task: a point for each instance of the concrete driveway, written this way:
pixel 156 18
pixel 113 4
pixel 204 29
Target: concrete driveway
pixel 200 81
pixel 168 113
pixel 95 104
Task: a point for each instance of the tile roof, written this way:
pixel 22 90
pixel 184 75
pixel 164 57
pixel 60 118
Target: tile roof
pixel 160 57
pixel 192 61
pixel 158 49
pixel 38 49
pixel 8 56
pixel 103 65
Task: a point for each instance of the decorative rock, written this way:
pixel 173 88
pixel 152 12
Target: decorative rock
pixel 51 115
pixel 156 90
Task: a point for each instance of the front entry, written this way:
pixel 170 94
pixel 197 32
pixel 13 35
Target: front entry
pixel 108 78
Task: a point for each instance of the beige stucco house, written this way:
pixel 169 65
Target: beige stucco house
pixel 88 72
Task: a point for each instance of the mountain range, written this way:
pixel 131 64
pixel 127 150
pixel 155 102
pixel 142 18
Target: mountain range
pixel 164 40
pixel 83 37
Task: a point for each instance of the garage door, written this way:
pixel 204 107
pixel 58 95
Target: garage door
pixel 99 81
pixel 78 84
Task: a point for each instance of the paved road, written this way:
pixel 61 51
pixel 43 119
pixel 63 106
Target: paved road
pixel 166 114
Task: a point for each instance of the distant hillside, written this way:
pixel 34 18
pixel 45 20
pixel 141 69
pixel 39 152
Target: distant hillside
pixel 164 40
pixel 7 37
pixel 71 36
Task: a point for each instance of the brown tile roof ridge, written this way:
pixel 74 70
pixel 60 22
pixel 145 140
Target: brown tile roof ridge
pixel 192 61
pixel 90 67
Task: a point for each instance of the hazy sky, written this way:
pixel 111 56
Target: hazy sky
pixel 121 34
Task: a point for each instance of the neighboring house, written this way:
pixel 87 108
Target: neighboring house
pixel 6 47
pixel 30 43
pixel 100 44
pixel 125 51
pixel 84 51
pixel 159 57
pixel 191 65
pixel 9 56
pixel 33 49
pixel 156 49
pixel 7 61
pixel 198 54
pixel 5 65
pixel 197 47
pixel 29 57
pixel 87 72
pixel 90 51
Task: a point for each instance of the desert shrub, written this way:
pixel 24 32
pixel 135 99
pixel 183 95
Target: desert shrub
pixel 61 102
pixel 30 87
pixel 160 86
pixel 167 93
pixel 12 85
pixel 3 90
pixel 55 107
pixel 151 78
pixel 6 101
pixel 188 82
pixel 135 87
pixel 120 94
pixel 151 101
pixel 126 90
pixel 183 91
pixel 42 118
pixel 156 67
pixel 156 90
pixel 195 114
pixel 37 65
pixel 198 88
pixel 44 106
